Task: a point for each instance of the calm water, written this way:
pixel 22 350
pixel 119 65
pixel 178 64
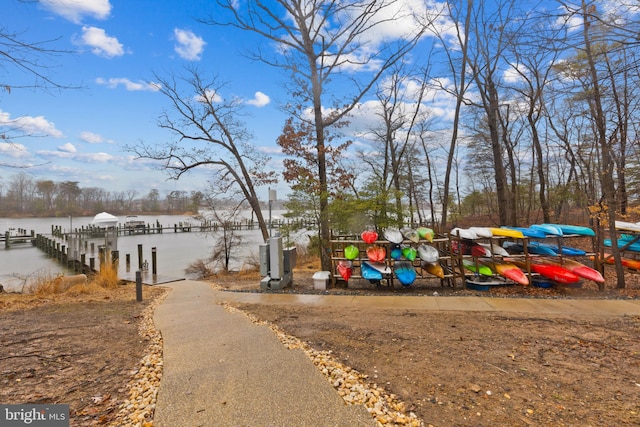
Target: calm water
pixel 174 251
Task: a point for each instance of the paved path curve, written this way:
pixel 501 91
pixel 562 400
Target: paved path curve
pixel 220 369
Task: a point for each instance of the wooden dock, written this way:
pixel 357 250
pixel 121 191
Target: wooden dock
pixel 184 227
pixel 83 249
pixel 20 236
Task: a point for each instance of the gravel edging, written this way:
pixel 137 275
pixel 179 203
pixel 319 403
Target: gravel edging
pixel 350 384
pixel 139 408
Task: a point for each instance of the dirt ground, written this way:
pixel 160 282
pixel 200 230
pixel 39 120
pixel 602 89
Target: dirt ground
pixel 450 369
pixel 476 368
pixel 76 349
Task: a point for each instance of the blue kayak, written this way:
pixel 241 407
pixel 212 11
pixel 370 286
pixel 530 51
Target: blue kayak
pixel 396 251
pixel 369 272
pixel 528 231
pixel 405 272
pixel 566 250
pixel 531 247
pixel 549 229
pixel 574 229
pixel 635 247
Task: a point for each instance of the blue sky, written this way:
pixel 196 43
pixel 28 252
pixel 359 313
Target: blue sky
pixel 79 134
pixel 118 45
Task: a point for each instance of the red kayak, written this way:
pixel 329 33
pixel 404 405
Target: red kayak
pixel 469 248
pixel 480 251
pixel 556 273
pixel 369 236
pixel 345 268
pixel 579 269
pixel 376 253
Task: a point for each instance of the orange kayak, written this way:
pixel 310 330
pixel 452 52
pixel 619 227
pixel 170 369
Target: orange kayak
pixel 508 270
pixel 376 253
pixel 632 264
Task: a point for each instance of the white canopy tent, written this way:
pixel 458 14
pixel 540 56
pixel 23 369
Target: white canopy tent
pixel 105 220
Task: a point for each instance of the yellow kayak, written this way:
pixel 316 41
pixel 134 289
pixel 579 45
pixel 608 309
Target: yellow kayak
pixel 433 268
pixel 506 232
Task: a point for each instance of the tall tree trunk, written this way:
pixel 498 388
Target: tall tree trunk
pixel 542 176
pixel 491 107
pixel 464 42
pixel 606 175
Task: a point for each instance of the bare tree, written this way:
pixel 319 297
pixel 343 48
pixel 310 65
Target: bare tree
pixel 227 238
pixel 491 39
pixel 533 62
pixel 208 133
pixel 30 59
pixel 320 43
pixel 27 57
pixel 599 117
pixel 458 68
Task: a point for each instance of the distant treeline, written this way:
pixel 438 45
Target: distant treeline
pixel 21 195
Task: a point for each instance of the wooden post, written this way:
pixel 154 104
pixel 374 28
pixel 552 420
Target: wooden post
pixel 138 285
pixel 154 268
pixel 101 257
pixel 115 259
pixel 139 257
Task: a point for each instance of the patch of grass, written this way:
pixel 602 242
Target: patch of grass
pixel 107 277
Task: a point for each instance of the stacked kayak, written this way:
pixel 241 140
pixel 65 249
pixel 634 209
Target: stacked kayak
pixel 555 272
pixel 485 251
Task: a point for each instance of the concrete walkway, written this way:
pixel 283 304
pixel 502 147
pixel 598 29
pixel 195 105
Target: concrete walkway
pixel 448 303
pixel 220 369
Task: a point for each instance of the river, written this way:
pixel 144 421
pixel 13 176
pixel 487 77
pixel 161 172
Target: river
pixel 174 251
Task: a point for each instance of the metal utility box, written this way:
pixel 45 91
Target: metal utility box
pixel 263 253
pixel 290 259
pixel 276 264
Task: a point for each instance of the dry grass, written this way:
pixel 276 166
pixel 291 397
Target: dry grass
pixel 107 277
pixel 46 289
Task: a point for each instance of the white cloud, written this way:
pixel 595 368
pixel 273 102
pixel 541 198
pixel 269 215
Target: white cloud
pixel 189 46
pixel 98 157
pixel 67 148
pixel 28 125
pixel 91 138
pixel 80 157
pixel 113 83
pixel 511 74
pixel 270 150
pixel 259 100
pixel 210 96
pixel 101 44
pixel 13 150
pixel 75 10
